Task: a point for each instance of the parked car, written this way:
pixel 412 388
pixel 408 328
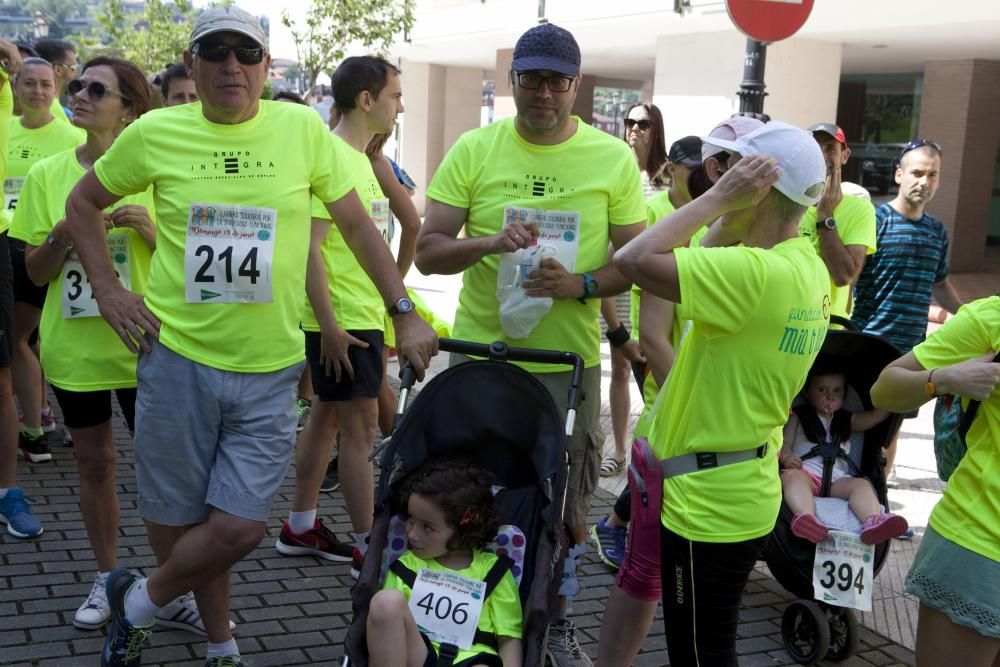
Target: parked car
pixel 878 165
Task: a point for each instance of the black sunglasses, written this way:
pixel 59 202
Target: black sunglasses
pixel 95 90
pixel 641 124
pixel 920 143
pixel 216 53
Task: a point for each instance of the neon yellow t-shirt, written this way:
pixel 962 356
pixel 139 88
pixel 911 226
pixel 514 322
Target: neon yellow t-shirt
pixel 79 353
pixel 261 174
pixel 25 148
pixel 57 110
pixel 356 301
pixel 491 168
pixel 758 319
pixel 855 226
pixel 969 512
pixel 502 615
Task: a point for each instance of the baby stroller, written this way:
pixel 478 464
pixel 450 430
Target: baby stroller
pixel 501 418
pixel 812 630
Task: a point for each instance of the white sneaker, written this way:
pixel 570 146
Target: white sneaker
pixel 95 611
pixel 183 614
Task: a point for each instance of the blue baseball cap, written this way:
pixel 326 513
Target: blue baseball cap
pixel 547 47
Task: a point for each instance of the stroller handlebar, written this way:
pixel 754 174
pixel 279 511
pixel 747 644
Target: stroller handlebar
pixel 500 351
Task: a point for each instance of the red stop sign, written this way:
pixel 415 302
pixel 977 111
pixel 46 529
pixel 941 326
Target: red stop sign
pixel 769 20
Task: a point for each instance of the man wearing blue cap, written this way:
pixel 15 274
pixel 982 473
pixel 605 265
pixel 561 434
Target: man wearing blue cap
pixel 547 192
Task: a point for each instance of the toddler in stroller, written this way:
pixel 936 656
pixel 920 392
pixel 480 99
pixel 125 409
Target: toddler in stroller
pixel 445 590
pixel 823 420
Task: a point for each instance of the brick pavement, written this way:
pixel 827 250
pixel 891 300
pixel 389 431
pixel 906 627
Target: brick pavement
pixel 289 611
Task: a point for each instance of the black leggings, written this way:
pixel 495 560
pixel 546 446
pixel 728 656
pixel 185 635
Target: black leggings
pixel 702 586
pixel 623 506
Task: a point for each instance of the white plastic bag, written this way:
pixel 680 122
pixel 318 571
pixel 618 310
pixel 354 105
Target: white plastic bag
pixel 520 313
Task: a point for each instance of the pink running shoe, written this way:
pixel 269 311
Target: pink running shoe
pixel 808 527
pixel 881 527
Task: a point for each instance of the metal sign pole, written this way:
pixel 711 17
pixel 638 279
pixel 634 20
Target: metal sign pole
pixel 751 91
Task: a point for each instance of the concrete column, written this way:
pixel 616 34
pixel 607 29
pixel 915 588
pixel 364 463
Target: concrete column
pixel 698 75
pixel 503 100
pixel 958 110
pixel 441 103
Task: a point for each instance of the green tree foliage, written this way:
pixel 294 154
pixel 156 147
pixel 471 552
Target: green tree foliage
pixel 331 26
pixel 150 38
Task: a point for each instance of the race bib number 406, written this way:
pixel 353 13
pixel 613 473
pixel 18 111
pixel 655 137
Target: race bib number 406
pixel 446 606
pixel 843 571
pixel 228 253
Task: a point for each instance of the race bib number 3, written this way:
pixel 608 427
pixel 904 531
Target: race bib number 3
pixel 77 296
pixel 380 215
pixel 228 253
pixel 843 571
pixel 446 606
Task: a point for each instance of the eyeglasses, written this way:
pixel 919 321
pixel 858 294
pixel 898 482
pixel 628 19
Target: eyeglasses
pixel 95 90
pixel 217 53
pixel 72 68
pixel 920 143
pixel 643 125
pixel 534 81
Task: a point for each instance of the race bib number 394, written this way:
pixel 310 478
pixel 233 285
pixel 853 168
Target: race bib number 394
pixel 228 253
pixel 843 571
pixel 446 606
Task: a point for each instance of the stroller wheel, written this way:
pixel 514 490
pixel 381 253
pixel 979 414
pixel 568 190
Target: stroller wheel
pixel 805 632
pixel 843 634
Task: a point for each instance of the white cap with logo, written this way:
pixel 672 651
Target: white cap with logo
pixel 228 19
pixel 800 160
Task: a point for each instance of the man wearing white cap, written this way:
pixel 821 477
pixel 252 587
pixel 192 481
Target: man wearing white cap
pixel 221 348
pixel 759 313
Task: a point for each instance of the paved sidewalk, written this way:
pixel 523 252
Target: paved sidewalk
pixel 289 611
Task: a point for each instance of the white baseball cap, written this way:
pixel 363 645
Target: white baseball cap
pixel 800 160
pixel 729 129
pixel 228 19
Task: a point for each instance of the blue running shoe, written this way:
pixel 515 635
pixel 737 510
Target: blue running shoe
pixel 15 512
pixel 124 643
pixel 610 542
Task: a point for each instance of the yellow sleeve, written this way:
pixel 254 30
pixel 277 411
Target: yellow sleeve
pixel 963 336
pixel 857 227
pixel 450 184
pixel 330 178
pixel 627 205
pixel 122 170
pixel 32 222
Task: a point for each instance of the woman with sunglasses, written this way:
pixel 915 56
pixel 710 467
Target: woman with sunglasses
pixel 82 357
pixel 35 135
pixel 644 134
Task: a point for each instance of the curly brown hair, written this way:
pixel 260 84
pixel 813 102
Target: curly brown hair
pixel 464 493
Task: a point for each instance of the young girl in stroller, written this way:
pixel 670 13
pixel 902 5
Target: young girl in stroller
pixel 450 517
pixel 821 417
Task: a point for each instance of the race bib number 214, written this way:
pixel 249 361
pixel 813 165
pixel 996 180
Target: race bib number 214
pixel 228 253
